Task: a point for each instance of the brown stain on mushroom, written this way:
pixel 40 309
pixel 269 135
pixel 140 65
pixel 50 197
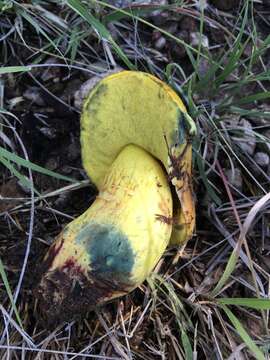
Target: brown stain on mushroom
pixel 67 292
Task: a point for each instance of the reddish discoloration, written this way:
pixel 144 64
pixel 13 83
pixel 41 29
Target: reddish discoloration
pixel 164 219
pixel 70 263
pixel 72 267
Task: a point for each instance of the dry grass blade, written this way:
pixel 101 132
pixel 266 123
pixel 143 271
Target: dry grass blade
pixel 259 205
pixel 251 218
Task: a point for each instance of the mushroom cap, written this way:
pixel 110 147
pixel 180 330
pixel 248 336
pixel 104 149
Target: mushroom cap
pixel 129 108
pixel 133 107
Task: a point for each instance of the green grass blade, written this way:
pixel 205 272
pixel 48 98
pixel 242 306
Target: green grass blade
pixel 149 24
pixel 73 44
pixel 28 164
pixel 265 75
pixel 38 29
pixel 14 69
pixel 231 65
pixel 192 59
pixel 251 98
pixel 211 192
pixel 243 334
pixel 258 304
pixel 118 15
pixel 9 292
pixel 227 273
pixel 77 6
pixel 236 53
pixel 245 112
pixel 24 181
pixel 260 50
pixel 187 345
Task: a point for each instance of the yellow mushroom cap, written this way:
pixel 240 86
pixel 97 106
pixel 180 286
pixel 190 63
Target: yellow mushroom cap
pixel 133 107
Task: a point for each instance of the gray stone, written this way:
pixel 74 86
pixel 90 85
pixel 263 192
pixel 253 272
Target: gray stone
pixel 261 159
pixel 33 94
pixel 160 43
pixel 247 141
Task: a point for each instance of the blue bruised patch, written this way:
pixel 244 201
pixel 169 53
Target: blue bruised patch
pixel 179 135
pixel 182 129
pixel 109 250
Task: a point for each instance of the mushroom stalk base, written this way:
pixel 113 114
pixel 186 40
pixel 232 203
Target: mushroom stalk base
pixel 111 248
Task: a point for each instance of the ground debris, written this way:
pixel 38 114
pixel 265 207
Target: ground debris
pixel 11 195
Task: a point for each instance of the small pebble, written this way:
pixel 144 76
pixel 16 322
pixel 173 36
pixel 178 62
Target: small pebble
pixel 62 200
pixel 262 159
pixel 33 94
pixel 50 133
pixel 160 43
pixel 247 142
pixel 197 39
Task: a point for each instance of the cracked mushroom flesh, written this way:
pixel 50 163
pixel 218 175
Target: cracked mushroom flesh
pixel 136 148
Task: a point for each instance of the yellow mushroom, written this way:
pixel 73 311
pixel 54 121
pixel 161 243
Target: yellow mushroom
pixel 136 148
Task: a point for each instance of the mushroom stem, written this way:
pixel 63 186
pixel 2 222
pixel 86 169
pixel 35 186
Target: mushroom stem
pixel 112 247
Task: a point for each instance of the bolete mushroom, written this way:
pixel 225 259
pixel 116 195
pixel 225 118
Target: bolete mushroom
pixel 136 148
